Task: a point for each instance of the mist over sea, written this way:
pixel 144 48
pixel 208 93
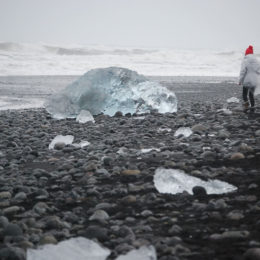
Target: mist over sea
pixel 41 59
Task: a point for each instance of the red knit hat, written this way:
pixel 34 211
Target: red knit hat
pixel 249 50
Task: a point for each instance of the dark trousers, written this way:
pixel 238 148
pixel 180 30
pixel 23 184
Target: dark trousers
pixel 247 92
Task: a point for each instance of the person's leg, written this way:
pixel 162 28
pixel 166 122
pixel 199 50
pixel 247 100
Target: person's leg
pixel 245 98
pixel 252 100
pixel 245 92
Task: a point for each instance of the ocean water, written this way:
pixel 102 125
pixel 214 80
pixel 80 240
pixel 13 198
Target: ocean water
pixel 40 59
pixel 31 72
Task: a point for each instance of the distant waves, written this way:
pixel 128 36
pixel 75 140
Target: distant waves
pixel 42 59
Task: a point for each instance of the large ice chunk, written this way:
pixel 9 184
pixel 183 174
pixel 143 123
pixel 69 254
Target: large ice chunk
pixel 78 248
pixel 110 90
pixel 143 253
pixel 176 181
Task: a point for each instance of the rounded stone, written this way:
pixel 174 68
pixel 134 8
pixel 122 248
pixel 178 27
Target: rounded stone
pixel 199 191
pixel 11 210
pixel 257 132
pixel 12 230
pixel 3 222
pixel 130 172
pixel 96 232
pixel 12 253
pixel 237 156
pixel 99 215
pixel 5 195
pixel 198 128
pixel 252 254
pixel 48 239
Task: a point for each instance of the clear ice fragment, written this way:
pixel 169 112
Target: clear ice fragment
pixel 66 139
pixel 84 117
pixel 185 131
pixel 176 181
pixel 143 253
pixel 78 248
pixel 233 100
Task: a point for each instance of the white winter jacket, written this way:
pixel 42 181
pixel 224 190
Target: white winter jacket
pixel 250 72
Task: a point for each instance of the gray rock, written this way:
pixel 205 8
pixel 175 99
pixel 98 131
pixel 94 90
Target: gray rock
pixel 235 215
pixel 199 128
pixel 237 156
pixel 12 230
pixel 99 215
pixel 40 208
pixel 48 239
pixel 209 155
pixel 3 221
pixel 5 195
pixel 231 235
pixel 11 210
pixel 53 222
pixel 97 232
pixel 21 196
pixel 59 146
pixel 12 253
pixel 175 229
pixel 252 254
pixel 146 213
pixel 257 132
pixel 223 134
pixel 199 192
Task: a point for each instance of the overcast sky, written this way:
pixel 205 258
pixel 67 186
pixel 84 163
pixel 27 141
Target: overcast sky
pixel 185 24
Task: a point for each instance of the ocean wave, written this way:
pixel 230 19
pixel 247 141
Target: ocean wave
pixel 46 59
pixel 10 46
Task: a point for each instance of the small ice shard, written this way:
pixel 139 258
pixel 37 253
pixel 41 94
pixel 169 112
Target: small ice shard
pixel 148 150
pixel 185 131
pixel 225 111
pixel 84 117
pixel 176 181
pixel 65 139
pixel 164 129
pixel 143 253
pixel 78 248
pixel 122 151
pixel 110 90
pixel 82 144
pixel 139 117
pixel 233 100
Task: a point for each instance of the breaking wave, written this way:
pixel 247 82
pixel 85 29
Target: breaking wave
pixel 46 59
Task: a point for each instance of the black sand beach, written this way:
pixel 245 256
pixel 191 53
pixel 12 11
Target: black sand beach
pixel 49 195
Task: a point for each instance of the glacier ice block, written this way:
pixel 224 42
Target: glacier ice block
pixel 110 90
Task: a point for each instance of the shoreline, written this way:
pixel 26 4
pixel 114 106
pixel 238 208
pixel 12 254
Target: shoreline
pixel 50 195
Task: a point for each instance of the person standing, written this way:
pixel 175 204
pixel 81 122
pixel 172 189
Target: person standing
pixel 249 78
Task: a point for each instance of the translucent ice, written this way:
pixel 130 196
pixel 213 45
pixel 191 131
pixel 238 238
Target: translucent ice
pixel 233 100
pixel 148 150
pixel 185 131
pixel 176 181
pixel 143 253
pixel 66 139
pixel 78 248
pixel 225 111
pixel 82 144
pixel 110 90
pixel 84 117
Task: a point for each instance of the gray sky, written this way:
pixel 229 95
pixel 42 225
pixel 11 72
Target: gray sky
pixel 185 24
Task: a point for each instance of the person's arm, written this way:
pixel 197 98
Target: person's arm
pixel 242 73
